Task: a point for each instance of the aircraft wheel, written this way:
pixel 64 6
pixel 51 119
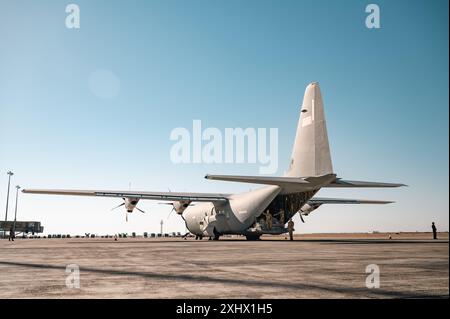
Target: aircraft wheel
pixel 253 237
pixel 216 234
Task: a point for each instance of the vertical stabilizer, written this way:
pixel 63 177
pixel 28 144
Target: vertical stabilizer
pixel 311 152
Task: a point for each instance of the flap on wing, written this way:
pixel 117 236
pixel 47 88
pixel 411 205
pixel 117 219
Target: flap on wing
pixel 165 196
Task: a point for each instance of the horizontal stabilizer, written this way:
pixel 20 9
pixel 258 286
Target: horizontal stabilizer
pixel 300 184
pixel 297 183
pixel 358 184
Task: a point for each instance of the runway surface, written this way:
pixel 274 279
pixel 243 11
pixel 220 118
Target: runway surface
pixel 177 268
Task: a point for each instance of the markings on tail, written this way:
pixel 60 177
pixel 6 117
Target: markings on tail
pixel 310 119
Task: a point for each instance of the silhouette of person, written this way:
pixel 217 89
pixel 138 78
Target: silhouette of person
pixel 281 217
pixel 11 234
pixel 433 227
pixel 268 220
pixel 291 229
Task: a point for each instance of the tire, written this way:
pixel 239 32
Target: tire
pixel 253 237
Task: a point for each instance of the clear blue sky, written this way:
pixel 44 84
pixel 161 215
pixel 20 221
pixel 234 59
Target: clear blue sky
pixel 230 64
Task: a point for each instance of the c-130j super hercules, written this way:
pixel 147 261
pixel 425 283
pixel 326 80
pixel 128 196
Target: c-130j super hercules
pixel 266 209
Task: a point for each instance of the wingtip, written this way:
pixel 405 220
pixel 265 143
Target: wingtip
pixel 383 202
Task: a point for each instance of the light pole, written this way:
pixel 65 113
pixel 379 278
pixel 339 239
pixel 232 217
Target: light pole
pixel 7 200
pixel 15 210
pixel 162 222
pixel 7 195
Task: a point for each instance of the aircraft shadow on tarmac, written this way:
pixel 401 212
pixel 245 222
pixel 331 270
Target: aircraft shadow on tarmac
pixel 359 292
pixel 327 241
pixel 367 241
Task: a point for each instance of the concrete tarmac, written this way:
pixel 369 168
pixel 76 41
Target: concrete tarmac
pixel 177 268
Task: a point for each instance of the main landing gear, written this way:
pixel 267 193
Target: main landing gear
pixel 216 235
pixel 253 237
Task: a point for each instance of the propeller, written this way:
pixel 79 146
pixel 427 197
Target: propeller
pixel 178 206
pixel 143 212
pixel 117 206
pixel 130 205
pixel 173 208
pixel 170 213
pixel 173 205
pixel 126 213
pixel 306 209
pixel 301 217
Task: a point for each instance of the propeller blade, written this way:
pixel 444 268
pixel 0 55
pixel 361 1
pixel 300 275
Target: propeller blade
pixel 140 210
pixel 301 217
pixel 173 208
pixel 185 235
pixel 117 206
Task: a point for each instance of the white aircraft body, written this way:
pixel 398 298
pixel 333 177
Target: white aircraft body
pixel 265 210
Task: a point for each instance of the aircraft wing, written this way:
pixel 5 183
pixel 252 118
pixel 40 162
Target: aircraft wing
pixel 316 202
pixel 321 200
pixel 164 196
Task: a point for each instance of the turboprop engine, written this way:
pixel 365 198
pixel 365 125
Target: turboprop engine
pixel 178 206
pixel 307 209
pixel 130 204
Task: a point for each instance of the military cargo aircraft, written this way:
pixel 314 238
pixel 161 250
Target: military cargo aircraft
pixel 265 210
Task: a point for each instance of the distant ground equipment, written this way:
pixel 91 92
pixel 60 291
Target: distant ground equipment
pixel 22 227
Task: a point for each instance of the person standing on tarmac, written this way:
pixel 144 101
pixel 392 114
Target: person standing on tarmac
pixel 433 227
pixel 291 229
pixel 11 234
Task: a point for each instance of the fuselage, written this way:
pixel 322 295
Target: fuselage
pixel 245 212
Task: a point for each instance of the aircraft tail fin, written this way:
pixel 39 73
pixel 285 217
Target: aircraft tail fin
pixel 311 151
